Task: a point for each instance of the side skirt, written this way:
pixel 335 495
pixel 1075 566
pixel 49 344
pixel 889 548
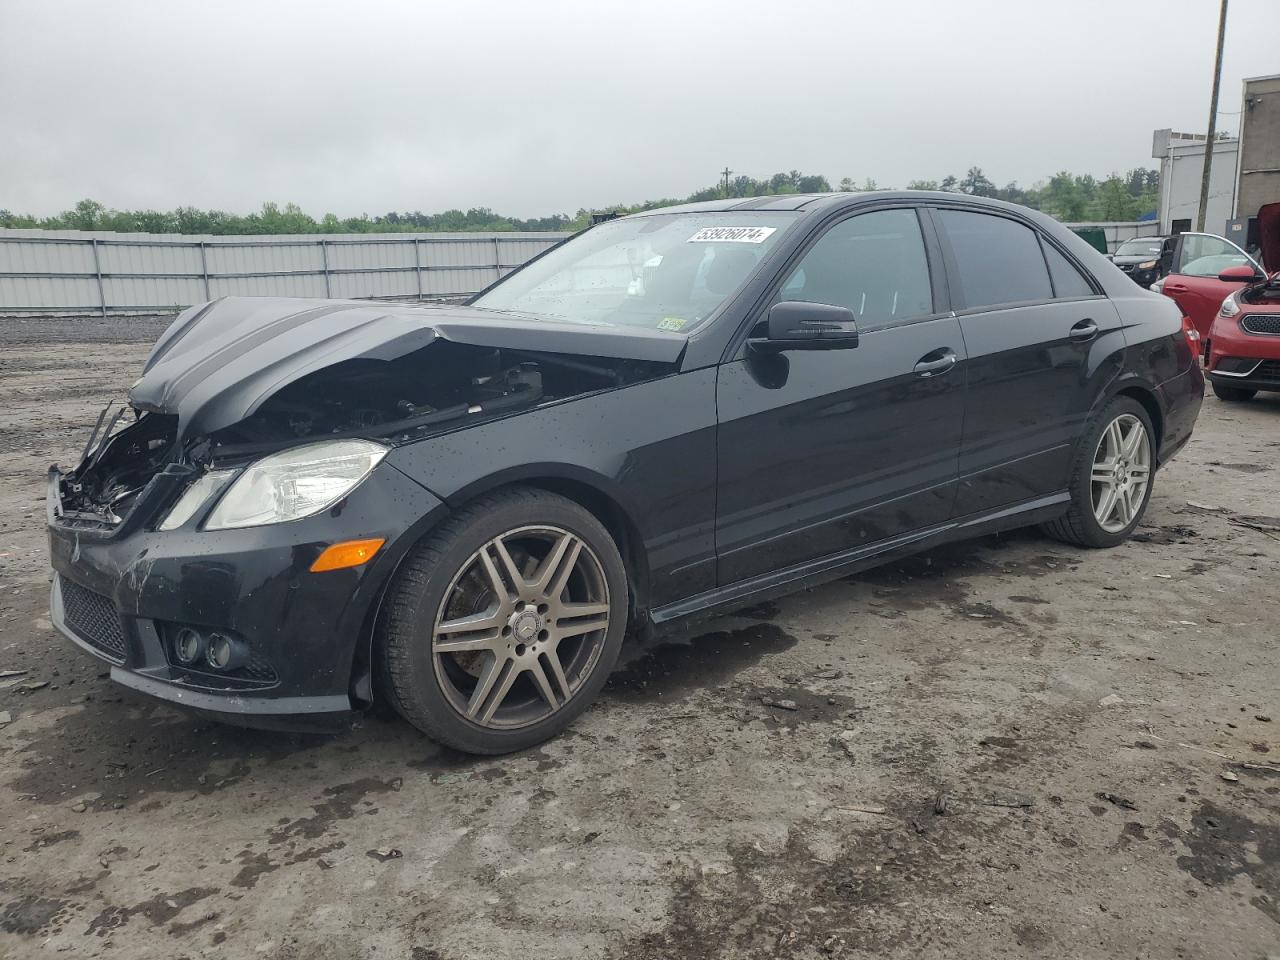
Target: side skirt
pixel 813 572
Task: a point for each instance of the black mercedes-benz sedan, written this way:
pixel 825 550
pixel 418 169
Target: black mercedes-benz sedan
pixel 305 507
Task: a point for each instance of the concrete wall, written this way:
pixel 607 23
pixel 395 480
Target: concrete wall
pixel 47 272
pixel 1259 161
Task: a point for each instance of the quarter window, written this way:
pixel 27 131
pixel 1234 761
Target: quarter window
pixel 1068 282
pixel 998 259
pixel 873 263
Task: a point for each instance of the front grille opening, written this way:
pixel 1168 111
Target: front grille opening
pixel 1267 370
pixel 93 618
pixel 1264 324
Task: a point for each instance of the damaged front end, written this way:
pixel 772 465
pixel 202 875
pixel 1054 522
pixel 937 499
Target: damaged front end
pixel 235 380
pixel 193 543
pixel 128 454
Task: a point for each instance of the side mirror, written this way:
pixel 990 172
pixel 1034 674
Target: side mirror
pixel 801 325
pixel 1242 273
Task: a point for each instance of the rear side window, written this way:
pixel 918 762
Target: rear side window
pixel 1068 282
pixel 873 263
pixel 999 260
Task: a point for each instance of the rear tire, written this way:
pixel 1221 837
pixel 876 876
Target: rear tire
pixel 503 625
pixel 1111 478
pixel 1232 394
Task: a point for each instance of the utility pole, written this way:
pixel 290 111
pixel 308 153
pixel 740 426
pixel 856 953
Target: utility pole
pixel 1213 122
pixel 726 173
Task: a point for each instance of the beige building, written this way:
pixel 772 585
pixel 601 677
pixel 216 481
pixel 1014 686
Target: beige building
pixel 1258 163
pixel 1245 174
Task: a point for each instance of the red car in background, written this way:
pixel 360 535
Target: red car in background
pixel 1203 270
pixel 1242 350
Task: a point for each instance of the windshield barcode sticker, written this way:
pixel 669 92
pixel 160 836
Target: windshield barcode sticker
pixel 732 235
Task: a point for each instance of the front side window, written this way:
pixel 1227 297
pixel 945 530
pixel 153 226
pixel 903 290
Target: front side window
pixel 998 259
pixel 873 263
pixel 663 271
pixel 1204 255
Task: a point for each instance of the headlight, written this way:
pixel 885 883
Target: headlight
pixel 1229 306
pixel 195 497
pixel 1146 265
pixel 296 483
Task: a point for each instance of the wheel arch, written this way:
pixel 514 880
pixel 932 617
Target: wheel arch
pixel 1149 399
pixel 1135 388
pixel 585 488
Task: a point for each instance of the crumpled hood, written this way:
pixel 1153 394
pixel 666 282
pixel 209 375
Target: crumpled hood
pixel 1269 236
pixel 218 362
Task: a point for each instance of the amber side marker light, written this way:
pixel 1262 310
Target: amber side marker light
pixel 349 553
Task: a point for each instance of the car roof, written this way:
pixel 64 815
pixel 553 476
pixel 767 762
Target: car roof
pixel 785 201
pixel 822 201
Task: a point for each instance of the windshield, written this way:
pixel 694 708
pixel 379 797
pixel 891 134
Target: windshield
pixel 663 272
pixel 1138 248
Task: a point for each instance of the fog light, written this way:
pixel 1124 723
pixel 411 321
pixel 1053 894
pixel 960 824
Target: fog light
pixel 188 646
pixel 225 653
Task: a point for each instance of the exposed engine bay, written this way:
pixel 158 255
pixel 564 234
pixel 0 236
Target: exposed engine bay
pixel 441 387
pixel 1265 293
pixel 444 386
pixel 123 454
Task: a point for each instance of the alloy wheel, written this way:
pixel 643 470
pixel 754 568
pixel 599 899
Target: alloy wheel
pixel 521 627
pixel 1121 473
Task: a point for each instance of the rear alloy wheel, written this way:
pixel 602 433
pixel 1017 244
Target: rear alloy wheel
pixel 504 625
pixel 1232 394
pixel 1111 478
pixel 1121 473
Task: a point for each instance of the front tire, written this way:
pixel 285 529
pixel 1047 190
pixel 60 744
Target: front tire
pixel 1111 478
pixel 1231 394
pixel 503 625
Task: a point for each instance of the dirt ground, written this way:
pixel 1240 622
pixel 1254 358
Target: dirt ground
pixel 1005 748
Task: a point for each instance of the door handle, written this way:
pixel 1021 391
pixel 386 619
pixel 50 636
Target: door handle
pixel 1084 331
pixel 936 363
pixel 1175 288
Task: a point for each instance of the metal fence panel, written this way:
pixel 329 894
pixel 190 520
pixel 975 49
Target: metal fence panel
pixel 69 272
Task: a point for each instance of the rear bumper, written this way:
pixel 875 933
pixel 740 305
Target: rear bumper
pixel 121 598
pixel 1180 399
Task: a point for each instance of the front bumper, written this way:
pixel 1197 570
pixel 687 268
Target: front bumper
pixel 1143 278
pixel 1264 375
pixel 1244 358
pixel 121 593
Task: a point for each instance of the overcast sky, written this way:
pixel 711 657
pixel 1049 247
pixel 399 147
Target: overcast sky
pixel 533 107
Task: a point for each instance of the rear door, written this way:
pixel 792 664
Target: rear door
pixel 1035 327
pixel 1193 282
pixel 825 451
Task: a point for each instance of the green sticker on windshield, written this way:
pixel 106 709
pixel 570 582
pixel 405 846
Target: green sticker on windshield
pixel 672 323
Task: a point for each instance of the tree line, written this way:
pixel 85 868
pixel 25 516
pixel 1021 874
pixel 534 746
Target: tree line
pixel 1067 196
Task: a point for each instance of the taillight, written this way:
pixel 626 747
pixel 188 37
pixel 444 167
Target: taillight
pixel 1192 336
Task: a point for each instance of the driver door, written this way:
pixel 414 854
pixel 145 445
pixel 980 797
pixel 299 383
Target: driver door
pixel 823 452
pixel 1193 282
